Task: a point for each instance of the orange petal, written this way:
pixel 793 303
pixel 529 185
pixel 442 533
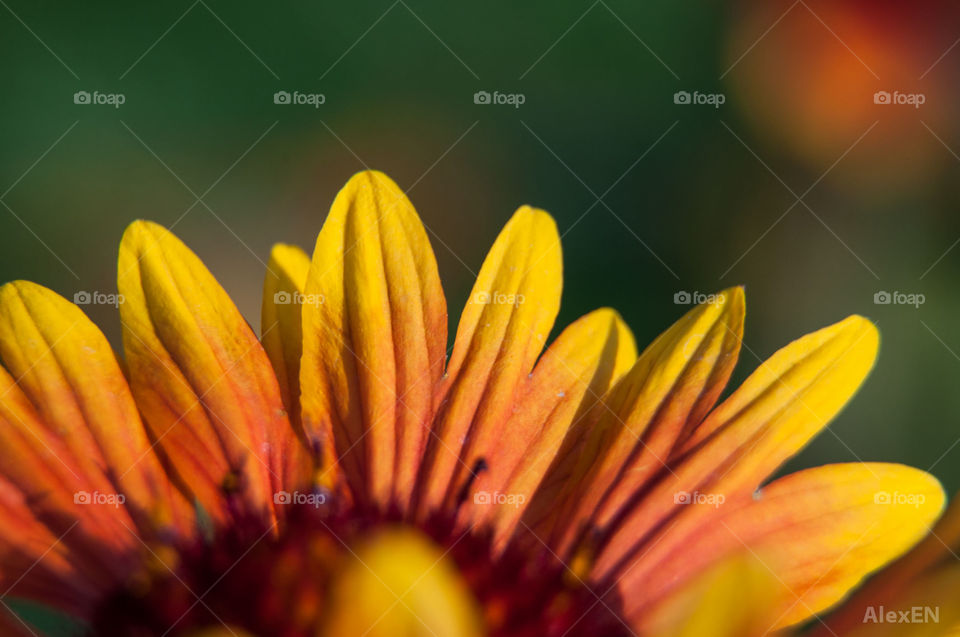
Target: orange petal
pixel 68 371
pixel 658 402
pixel 200 376
pixel 374 334
pixel 53 568
pixel 820 531
pixel 776 411
pixel 573 374
pixel 502 330
pixel 40 481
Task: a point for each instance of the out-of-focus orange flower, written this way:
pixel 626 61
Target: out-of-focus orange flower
pixel 814 76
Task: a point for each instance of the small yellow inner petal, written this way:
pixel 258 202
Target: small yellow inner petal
pixel 399 583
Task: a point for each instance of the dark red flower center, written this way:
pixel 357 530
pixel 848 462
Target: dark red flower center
pixel 252 578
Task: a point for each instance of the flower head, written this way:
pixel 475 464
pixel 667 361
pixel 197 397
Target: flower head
pixel 341 475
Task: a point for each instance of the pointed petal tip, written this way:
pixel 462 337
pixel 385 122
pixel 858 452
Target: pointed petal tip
pixel 141 225
pixel 368 178
pixel 613 318
pixel 534 215
pixel 869 334
pixel 737 293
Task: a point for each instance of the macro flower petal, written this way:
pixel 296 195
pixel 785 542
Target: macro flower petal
pixel 631 434
pixel 820 531
pixel 280 320
pixel 201 378
pixel 570 378
pixel 68 371
pixel 774 413
pixel 713 603
pixel 38 564
pixel 503 328
pixel 917 579
pixel 374 327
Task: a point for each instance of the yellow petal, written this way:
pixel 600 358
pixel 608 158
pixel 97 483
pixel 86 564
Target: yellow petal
pixel 68 371
pixel 666 394
pixel 282 339
pixel 776 411
pixel 280 330
pixel 399 583
pixel 374 338
pixel 573 374
pixel 820 531
pixel 735 598
pixel 502 330
pixel 201 377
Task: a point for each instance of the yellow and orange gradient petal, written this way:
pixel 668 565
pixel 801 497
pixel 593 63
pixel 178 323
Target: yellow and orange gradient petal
pixel 615 474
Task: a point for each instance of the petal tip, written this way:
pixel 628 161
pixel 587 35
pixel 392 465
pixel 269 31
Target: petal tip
pixel 370 178
pixel 534 216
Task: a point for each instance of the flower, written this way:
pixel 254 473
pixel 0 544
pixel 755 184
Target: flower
pixel 340 476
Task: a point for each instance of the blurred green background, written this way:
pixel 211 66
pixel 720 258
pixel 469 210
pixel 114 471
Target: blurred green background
pixel 799 185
